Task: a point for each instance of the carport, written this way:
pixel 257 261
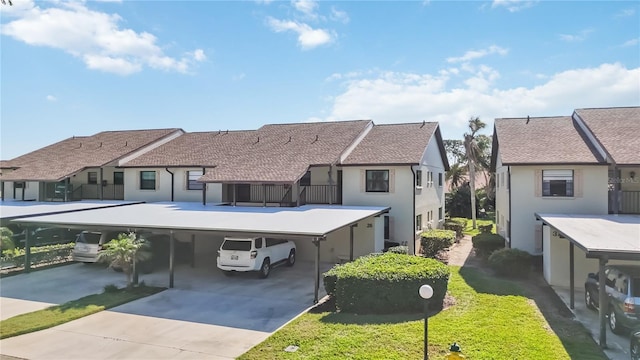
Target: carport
pixel 310 222
pixel 601 237
pixel 10 210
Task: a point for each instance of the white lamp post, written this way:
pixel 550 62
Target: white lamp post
pixel 426 292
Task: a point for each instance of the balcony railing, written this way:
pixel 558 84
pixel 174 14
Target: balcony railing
pixel 628 202
pixel 92 191
pixel 283 194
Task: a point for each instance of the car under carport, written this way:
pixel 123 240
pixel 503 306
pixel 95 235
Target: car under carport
pixel 350 231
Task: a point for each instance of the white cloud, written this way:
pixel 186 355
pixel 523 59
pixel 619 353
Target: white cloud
pixel 307 7
pixel 632 42
pixel 513 5
pixel 626 13
pixel 308 37
pixel 393 97
pixel 476 54
pixel 238 77
pixel 339 15
pixel 581 36
pixel 93 36
pixel 51 98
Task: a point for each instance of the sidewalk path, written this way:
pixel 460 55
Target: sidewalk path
pixel 461 253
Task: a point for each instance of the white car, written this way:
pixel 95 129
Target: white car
pixel 255 254
pixel 89 244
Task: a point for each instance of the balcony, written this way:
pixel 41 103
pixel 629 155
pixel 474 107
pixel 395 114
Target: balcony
pixel 628 202
pixel 281 195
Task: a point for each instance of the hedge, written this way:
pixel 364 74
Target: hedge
pixel 455 226
pixel 434 241
pixel 486 229
pixel 386 283
pixel 511 262
pixel 485 244
pixel 39 255
pixel 403 249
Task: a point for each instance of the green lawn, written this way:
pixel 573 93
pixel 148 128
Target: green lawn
pixel 469 230
pixel 72 310
pixel 491 319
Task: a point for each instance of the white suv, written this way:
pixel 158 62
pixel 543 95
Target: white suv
pixel 255 254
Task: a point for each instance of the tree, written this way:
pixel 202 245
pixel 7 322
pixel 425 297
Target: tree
pixel 121 252
pixel 456 176
pixel 6 239
pixel 473 154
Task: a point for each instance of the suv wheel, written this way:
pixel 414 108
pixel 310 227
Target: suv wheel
pixel 265 269
pixel 588 301
pixel 292 257
pixel 613 322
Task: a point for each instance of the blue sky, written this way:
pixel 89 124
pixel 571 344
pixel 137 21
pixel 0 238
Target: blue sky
pixel 81 67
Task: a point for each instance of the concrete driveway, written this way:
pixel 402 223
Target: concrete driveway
pixel 206 315
pixel 618 345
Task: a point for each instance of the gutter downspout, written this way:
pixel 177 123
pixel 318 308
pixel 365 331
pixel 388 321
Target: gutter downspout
pixel 508 193
pixel 204 189
pixel 172 182
pixel 330 185
pixel 413 210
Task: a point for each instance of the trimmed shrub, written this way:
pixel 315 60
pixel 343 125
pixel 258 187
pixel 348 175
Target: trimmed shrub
pixel 111 288
pixel 460 220
pixel 485 244
pixel 434 241
pixel 486 229
pixel 399 250
pixel 40 254
pixel 386 283
pixel 510 262
pixel 6 241
pixel 454 226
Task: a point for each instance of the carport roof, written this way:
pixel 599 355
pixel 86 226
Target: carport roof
pixel 21 209
pixel 304 221
pixel 613 236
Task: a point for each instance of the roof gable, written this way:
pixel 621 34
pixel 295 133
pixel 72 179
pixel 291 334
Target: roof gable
pixel 542 140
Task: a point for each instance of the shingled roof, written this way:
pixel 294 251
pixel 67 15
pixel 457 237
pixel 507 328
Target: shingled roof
pixel 396 144
pixel 65 158
pixel 542 140
pixel 617 130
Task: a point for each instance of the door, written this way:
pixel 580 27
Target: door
pixel 243 193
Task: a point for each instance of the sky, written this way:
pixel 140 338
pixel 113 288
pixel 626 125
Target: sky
pixel 76 68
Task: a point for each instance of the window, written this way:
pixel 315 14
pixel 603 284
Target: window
pixel 306 179
pixel 440 179
pixel 440 213
pixel 419 222
pixel 192 180
pixel 557 183
pixel 19 185
pixel 118 178
pixel 92 177
pixel 418 178
pixel 377 180
pixel 386 228
pixel 147 180
pixel 430 179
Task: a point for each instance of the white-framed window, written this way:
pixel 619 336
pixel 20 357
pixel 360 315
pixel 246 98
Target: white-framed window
pixel 439 179
pixel 419 178
pixel 377 180
pixel 147 180
pixel 419 222
pixel 440 215
pixel 92 177
pixel 192 180
pixel 557 183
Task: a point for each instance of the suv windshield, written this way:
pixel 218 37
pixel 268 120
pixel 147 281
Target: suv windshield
pixel 236 245
pixel 89 238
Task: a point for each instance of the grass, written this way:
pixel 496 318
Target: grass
pixel 491 319
pixel 72 310
pixel 469 230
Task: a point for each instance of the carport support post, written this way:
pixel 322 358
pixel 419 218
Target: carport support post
pixel 602 300
pixel 316 242
pixel 27 250
pixel 171 255
pixel 351 241
pixel 572 292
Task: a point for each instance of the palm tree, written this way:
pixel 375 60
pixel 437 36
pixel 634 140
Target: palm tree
pixel 473 154
pixel 456 175
pixel 121 252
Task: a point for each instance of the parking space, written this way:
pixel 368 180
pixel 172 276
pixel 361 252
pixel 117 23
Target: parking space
pixel 618 345
pixel 206 315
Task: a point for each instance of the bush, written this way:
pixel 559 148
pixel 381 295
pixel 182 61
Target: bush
pixel 399 250
pixel 511 262
pixel 485 244
pixel 454 226
pixel 110 288
pixel 459 220
pixel 40 255
pixel 6 241
pixel 486 229
pixel 386 283
pixel 434 241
